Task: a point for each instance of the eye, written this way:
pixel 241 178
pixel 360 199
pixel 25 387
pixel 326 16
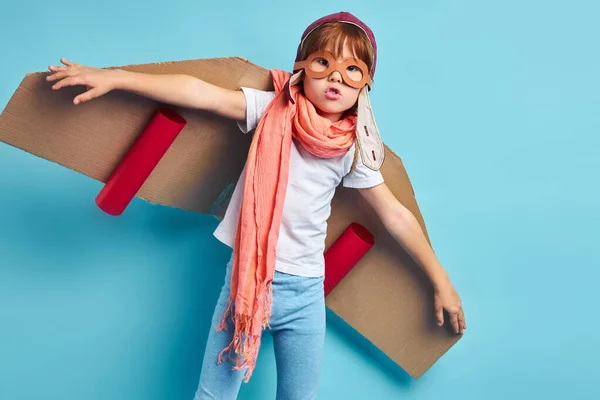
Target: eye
pixel 322 61
pixel 354 72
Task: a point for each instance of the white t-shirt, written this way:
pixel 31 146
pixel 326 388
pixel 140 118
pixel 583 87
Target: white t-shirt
pixel 311 186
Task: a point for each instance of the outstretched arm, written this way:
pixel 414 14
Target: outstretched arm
pixel 405 228
pixel 176 89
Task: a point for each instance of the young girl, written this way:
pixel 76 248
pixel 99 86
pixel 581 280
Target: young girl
pixel 310 133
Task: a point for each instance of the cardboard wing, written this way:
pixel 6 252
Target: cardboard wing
pixel 385 297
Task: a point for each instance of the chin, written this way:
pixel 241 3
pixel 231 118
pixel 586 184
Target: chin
pixel 332 108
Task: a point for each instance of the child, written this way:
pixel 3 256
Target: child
pixel 310 133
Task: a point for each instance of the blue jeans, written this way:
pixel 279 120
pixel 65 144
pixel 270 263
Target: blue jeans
pixel 297 326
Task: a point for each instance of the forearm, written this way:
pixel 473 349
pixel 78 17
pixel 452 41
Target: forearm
pixel 176 89
pixel 405 229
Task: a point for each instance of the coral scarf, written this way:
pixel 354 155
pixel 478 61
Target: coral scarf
pixel 267 168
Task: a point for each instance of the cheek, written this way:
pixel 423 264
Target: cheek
pixel 311 90
pixel 352 96
pixel 310 86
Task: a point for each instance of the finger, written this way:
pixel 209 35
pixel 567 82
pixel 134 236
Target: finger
pixel 54 77
pixel 55 68
pixel 60 75
pixel 87 96
pixel 71 81
pixel 464 320
pixel 66 62
pixel 454 321
pixel 461 322
pixel 439 313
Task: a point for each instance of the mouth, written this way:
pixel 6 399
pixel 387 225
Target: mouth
pixel 333 93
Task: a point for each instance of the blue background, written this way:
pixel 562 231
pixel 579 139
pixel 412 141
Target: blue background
pixel 493 107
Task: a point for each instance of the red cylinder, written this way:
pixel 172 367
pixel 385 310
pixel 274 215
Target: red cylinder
pixel 131 173
pixel 344 253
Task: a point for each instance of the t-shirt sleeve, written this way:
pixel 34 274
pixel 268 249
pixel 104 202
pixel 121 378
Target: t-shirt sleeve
pixel 256 103
pixel 362 176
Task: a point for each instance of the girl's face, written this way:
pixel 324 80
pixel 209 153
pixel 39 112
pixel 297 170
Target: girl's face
pixel 330 95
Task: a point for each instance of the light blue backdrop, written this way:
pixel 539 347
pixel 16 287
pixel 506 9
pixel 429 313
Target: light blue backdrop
pixel 493 106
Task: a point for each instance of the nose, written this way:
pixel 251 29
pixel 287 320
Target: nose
pixel 335 76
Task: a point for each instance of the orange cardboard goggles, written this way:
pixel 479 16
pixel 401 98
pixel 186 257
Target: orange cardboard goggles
pixel 320 64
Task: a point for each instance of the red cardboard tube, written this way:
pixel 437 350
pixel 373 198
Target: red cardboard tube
pixel 131 173
pixel 344 253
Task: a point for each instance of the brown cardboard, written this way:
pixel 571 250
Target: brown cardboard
pixel 386 297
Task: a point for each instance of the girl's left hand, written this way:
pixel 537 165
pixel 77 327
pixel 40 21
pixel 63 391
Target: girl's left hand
pixel 446 298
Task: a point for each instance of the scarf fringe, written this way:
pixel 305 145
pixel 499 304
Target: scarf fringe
pixel 244 344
